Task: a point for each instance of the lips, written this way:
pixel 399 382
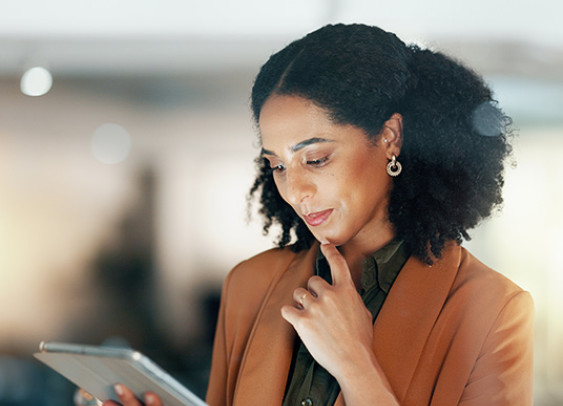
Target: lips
pixel 318 218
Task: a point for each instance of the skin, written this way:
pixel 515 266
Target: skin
pixel 127 398
pixel 340 170
pixel 323 167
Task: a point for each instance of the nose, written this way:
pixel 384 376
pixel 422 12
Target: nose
pixel 298 187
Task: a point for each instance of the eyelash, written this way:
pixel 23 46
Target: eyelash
pixel 278 168
pixel 314 162
pixel 318 162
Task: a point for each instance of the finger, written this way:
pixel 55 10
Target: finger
pixel 300 295
pixel 110 403
pixel 125 395
pixel 290 314
pixel 83 398
pixel 151 399
pixel 316 285
pixel 338 267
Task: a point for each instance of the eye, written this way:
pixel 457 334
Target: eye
pixel 318 162
pixel 278 168
pixel 274 163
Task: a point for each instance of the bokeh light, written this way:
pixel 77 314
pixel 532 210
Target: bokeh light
pixel 111 143
pixel 36 81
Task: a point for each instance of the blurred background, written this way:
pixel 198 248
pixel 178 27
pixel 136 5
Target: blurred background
pixel 126 153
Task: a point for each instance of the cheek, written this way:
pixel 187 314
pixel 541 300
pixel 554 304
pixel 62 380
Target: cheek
pixel 365 186
pixel 352 181
pixel 280 186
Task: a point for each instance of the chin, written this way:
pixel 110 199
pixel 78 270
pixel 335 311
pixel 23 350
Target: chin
pixel 329 239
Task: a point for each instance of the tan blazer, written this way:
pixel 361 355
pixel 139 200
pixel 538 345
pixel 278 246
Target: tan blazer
pixel 455 333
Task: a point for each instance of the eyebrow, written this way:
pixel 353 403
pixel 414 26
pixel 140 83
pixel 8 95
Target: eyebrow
pixel 299 145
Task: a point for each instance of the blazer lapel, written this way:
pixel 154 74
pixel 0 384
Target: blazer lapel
pixel 266 362
pixel 409 313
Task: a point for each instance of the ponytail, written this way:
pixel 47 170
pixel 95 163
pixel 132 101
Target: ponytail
pixel 454 145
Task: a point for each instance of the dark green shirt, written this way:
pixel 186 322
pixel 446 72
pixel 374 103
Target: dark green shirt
pixel 309 384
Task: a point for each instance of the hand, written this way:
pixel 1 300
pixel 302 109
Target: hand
pixel 332 320
pixel 128 398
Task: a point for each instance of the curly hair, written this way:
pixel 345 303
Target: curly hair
pixel 455 138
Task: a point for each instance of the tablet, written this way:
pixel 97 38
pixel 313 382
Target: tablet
pixel 96 369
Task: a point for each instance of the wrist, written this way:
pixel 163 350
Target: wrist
pixel 363 382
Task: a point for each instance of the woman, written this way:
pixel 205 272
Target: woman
pixel 376 159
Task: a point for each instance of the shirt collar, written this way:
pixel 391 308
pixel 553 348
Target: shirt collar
pixel 379 269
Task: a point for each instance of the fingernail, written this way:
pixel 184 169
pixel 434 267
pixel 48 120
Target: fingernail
pixel 118 389
pixel 150 399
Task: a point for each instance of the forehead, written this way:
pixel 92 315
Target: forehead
pixel 290 123
pixel 291 119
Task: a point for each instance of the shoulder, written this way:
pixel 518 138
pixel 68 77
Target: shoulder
pixel 254 276
pixel 503 315
pixel 487 296
pixel 262 267
pixel 476 278
pixel 249 284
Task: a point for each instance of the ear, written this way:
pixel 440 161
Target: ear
pixel 391 137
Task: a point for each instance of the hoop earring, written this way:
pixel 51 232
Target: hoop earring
pixel 394 167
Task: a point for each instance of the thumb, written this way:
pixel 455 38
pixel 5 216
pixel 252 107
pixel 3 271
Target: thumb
pixel 338 266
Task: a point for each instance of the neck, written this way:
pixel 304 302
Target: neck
pixel 358 249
